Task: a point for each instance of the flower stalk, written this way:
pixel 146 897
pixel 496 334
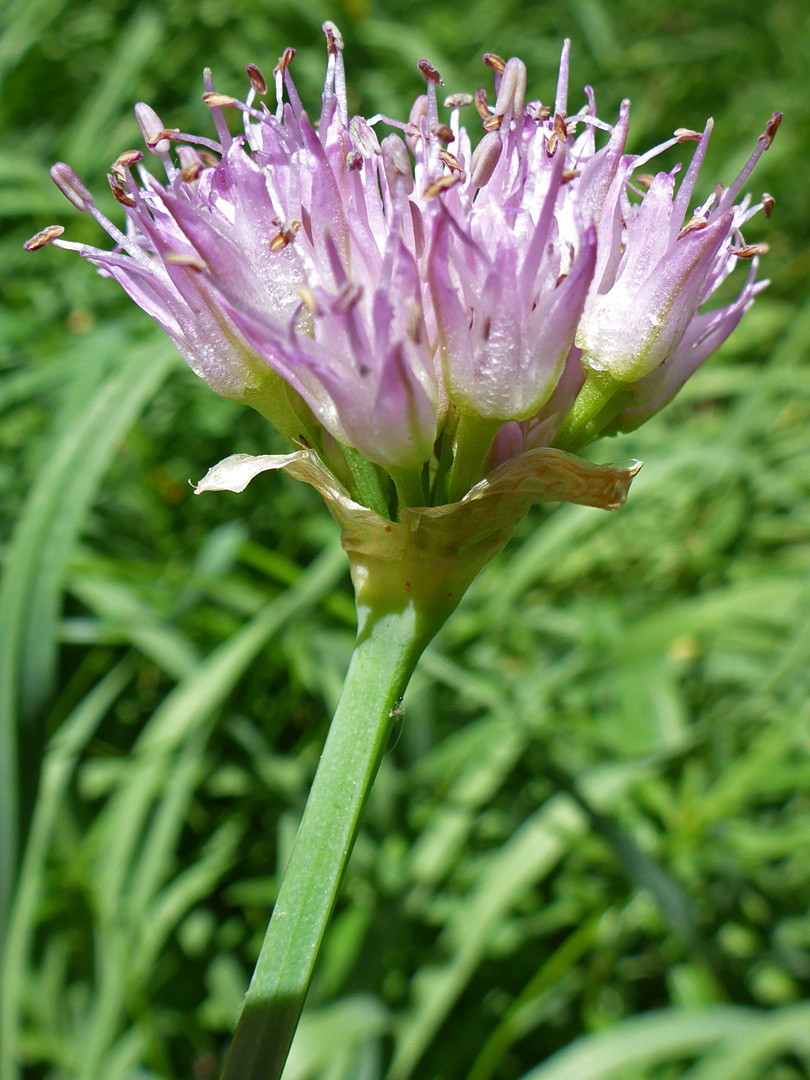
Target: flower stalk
pixel 388 647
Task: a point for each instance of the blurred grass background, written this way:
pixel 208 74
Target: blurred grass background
pixel 588 854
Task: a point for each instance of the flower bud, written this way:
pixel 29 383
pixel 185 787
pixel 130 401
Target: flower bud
pixel 71 186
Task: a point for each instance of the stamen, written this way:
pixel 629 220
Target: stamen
pixel 71 186
pixel 481 106
pixel 768 203
pixel 458 101
pixel 440 184
pixel 687 135
pixel 118 192
pixel 494 61
pixel 334 44
pixel 125 161
pixel 191 262
pixel 693 225
pixel 748 251
pixel 45 236
pixel 687 186
pixel 763 142
pixel 444 134
pixel 451 161
pixel 257 80
pixel 430 72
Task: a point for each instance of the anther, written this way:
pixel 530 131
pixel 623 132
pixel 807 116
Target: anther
pixel 568 175
pixel 458 101
pixel 492 123
pixel 687 135
pixel 71 186
pixel 256 79
pixel 440 184
pixel 45 236
pixel 644 180
pixel 172 134
pixel 118 192
pixel 126 161
pixel 152 129
pixel 334 38
pixel 560 129
pixel 191 172
pixel 284 236
pixel 542 112
pixel 748 251
pixel 430 72
pixel 494 61
pixel 285 60
pixel 450 160
pixel 219 101
pixel 444 134
pixel 768 203
pixel 771 128
pixel 481 106
pixel 354 160
pixel 695 224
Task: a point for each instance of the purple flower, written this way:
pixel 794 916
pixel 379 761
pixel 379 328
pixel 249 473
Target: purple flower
pixel 412 297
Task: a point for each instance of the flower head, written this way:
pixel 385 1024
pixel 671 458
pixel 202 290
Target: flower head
pixel 433 307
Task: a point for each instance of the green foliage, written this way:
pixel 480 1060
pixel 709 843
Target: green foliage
pixel 586 854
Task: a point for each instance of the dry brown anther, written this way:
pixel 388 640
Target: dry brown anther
pixel 430 72
pixel 219 101
pixel 492 123
pixel 207 158
pixel 192 173
pixel 560 129
pixel 45 236
pixel 768 203
pixel 695 224
pixel 458 101
pixel 686 135
pixel 118 192
pixel 543 112
pixel 126 160
pixel 771 128
pixel 440 184
pixel 748 251
pixel 568 175
pixel 172 134
pixel 285 60
pixel 444 134
pixel 450 160
pixel 644 179
pixel 494 61
pixel 481 106
pixel 256 79
pixel 284 236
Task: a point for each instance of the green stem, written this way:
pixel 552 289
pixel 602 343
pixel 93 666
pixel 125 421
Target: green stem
pixel 410 487
pixel 386 653
pixel 368 483
pixel 472 443
pixel 583 423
